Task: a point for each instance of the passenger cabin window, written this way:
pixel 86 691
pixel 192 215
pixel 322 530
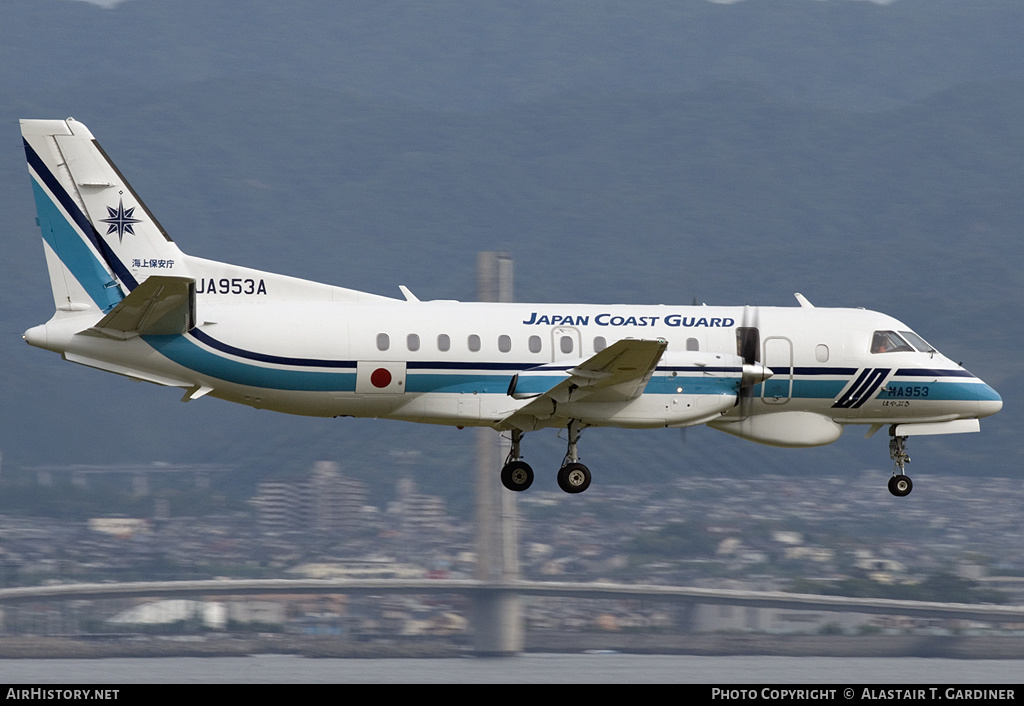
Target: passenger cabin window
pixel 473 342
pixel 413 341
pixel 535 344
pixel 889 342
pixel 600 344
pixel 821 353
pixel 565 344
pixel 444 343
pixel 504 343
pixel 383 341
pixel 692 344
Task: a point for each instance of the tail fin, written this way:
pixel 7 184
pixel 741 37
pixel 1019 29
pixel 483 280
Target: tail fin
pixel 100 239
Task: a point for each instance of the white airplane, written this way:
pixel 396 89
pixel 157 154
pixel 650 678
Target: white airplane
pixel 128 301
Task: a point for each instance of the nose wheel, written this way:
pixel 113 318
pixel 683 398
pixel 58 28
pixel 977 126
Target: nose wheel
pixel 900 484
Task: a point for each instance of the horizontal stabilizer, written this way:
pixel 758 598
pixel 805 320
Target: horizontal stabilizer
pixel 126 370
pixel 159 306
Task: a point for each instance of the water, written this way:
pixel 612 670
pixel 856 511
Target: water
pixel 529 668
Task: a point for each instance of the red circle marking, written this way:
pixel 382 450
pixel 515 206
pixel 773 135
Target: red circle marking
pixel 380 377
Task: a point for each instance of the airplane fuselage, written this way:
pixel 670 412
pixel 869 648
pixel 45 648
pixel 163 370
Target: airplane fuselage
pixel 452 363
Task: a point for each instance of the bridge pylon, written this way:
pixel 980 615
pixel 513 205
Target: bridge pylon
pixel 497 620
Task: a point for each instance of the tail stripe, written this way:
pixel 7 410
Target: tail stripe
pixel 85 226
pixel 77 259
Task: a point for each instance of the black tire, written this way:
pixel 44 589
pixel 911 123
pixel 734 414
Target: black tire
pixel 900 485
pixel 517 475
pixel 574 477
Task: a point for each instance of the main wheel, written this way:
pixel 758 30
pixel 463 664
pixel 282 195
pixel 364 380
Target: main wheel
pixel 574 477
pixel 900 485
pixel 517 475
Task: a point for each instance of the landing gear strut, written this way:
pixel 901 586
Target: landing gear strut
pixel 573 476
pixel 900 484
pixel 515 474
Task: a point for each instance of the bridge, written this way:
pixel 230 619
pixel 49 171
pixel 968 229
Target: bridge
pixel 484 589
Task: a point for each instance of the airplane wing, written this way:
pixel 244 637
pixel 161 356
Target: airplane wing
pixel 159 306
pixel 619 373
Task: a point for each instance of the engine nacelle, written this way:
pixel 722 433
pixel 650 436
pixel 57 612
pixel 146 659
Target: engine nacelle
pixel 789 429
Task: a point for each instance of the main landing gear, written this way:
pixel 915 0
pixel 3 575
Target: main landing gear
pixel 515 474
pixel 573 476
pixel 900 484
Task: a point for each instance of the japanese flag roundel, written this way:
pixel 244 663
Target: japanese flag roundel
pixel 374 376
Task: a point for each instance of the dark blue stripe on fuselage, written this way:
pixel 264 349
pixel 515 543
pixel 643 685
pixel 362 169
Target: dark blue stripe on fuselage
pixel 842 372
pixel 927 372
pixel 266 357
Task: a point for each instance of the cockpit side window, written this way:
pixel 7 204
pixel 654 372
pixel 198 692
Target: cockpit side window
pixel 918 342
pixel 889 342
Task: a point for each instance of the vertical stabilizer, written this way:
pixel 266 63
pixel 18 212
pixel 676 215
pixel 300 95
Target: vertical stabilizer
pixel 100 239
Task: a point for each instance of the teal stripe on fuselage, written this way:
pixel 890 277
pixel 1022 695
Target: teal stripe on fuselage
pixel 818 389
pixel 683 385
pixel 803 389
pixel 465 383
pixel 961 391
pixel 185 352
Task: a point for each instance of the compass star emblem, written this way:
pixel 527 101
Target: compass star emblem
pixel 120 220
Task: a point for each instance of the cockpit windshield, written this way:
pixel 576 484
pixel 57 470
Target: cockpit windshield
pixel 889 342
pixel 892 342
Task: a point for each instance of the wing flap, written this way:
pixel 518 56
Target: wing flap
pixel 618 373
pixel 628 362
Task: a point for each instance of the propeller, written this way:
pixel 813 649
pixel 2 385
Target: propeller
pixel 748 347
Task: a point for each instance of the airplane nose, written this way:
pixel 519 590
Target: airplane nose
pixel 989 401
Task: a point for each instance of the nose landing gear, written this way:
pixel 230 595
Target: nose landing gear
pixel 900 484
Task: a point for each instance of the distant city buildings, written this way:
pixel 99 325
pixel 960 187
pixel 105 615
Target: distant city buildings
pixel 325 502
pixel 752 533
